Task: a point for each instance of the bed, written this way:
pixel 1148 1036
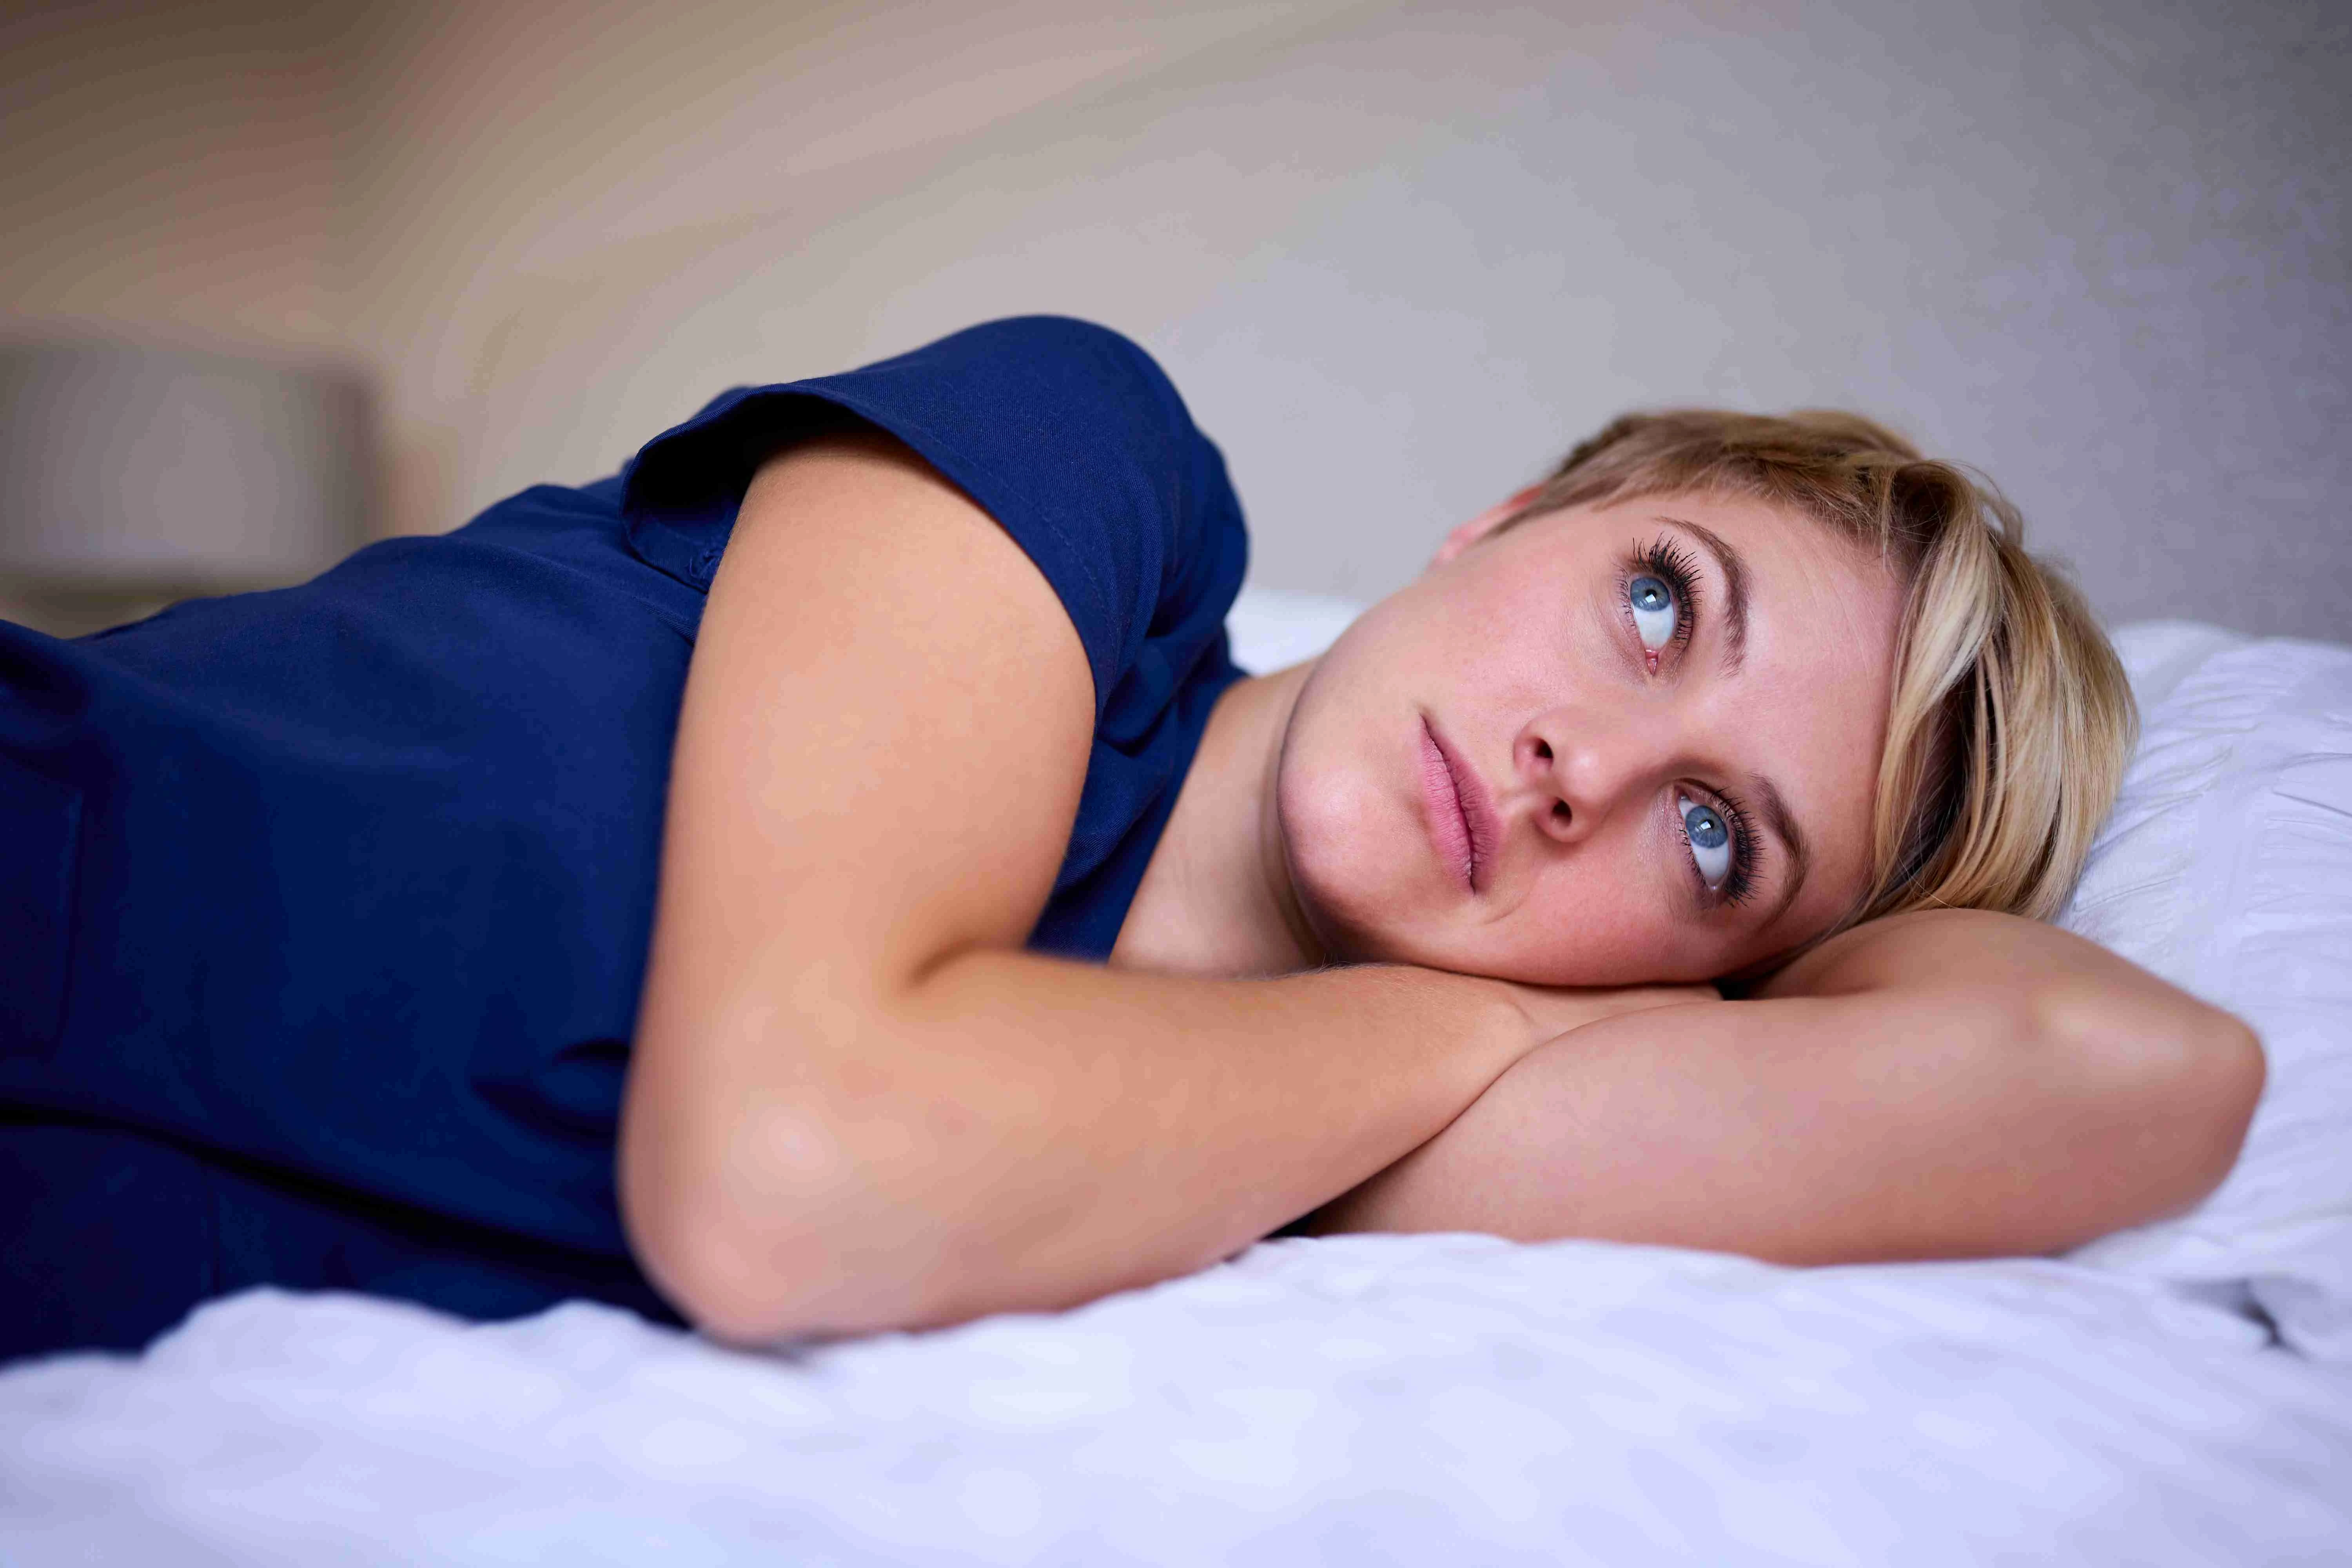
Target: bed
pixel 2181 1393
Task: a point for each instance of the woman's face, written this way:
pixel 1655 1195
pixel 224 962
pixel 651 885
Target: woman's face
pixel 1606 746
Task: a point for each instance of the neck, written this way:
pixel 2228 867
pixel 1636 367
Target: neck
pixel 1217 897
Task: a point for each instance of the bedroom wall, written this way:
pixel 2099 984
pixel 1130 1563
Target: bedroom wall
pixel 1397 254
pixel 174 173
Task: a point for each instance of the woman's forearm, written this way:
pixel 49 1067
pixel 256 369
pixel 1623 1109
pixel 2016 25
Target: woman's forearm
pixel 1017 1131
pixel 1969 1085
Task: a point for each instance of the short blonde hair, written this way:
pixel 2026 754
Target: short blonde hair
pixel 2011 721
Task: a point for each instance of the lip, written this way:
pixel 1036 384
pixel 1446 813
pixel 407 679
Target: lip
pixel 1461 814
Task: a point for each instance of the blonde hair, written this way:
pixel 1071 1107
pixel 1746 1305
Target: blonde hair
pixel 2011 721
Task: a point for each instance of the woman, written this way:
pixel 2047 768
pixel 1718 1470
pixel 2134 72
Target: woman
pixel 743 817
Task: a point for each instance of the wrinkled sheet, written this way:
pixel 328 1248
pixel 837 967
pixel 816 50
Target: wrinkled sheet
pixel 1353 1400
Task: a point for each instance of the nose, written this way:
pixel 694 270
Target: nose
pixel 1586 765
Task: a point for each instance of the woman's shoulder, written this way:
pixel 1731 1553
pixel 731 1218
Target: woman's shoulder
pixel 1069 434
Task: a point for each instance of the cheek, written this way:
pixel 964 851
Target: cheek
pixel 1599 932
pixel 1580 950
pixel 1584 927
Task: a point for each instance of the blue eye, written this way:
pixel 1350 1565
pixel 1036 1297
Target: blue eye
pixel 1710 840
pixel 1652 605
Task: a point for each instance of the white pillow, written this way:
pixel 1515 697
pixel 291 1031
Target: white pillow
pixel 2226 869
pixel 1273 628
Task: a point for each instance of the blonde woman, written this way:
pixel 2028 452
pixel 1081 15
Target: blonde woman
pixel 832 879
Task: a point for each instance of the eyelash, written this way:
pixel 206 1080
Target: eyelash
pixel 1666 560
pixel 1741 882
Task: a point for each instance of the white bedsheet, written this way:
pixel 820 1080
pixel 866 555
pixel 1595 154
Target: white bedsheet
pixel 1415 1400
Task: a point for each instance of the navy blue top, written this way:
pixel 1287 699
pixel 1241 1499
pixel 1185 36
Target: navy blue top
pixel 352 883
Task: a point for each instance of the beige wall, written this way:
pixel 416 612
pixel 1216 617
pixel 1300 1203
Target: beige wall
pixel 1396 254
pixel 173 174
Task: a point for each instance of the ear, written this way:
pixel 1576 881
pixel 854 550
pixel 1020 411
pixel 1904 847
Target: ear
pixel 1480 526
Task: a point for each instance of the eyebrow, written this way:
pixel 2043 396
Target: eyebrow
pixel 1734 568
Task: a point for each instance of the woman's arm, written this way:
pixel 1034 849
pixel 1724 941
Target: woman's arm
pixel 1940 1084
pixel 853 1102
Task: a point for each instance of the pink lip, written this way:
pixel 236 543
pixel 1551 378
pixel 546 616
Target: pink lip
pixel 1461 814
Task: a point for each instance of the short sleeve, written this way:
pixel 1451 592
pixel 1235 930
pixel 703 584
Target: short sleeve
pixel 1067 433
pixel 1075 441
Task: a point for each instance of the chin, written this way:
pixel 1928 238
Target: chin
pixel 1326 874
pixel 1339 845
pixel 1359 914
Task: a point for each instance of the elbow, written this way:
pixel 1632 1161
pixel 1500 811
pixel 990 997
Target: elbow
pixel 2182 1078
pixel 2219 1083
pixel 733 1224
pixel 706 1271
